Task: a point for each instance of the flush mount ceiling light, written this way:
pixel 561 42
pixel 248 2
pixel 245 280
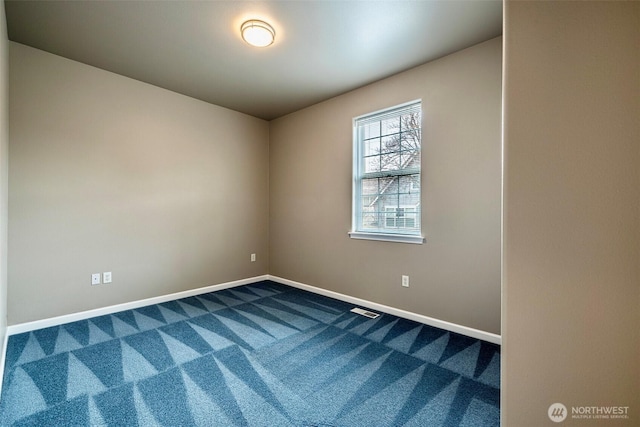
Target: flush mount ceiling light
pixel 257 33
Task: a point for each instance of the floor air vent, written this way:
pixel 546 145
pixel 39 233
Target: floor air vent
pixel 364 313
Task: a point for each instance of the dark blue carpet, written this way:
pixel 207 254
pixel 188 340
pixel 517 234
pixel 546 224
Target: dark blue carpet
pixel 258 355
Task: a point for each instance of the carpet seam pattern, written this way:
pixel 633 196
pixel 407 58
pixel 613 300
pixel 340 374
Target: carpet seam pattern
pixel 259 354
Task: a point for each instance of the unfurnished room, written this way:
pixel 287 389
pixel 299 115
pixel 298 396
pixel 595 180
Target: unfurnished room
pixel 319 213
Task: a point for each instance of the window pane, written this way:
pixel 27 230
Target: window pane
pixel 372 164
pixel 404 184
pixel 410 124
pixel 415 182
pixel 369 186
pixel 411 218
pixel 410 159
pixel 370 218
pixel 369 202
pixel 390 221
pixel 389 185
pixel 371 147
pixel 389 162
pixel 410 140
pixel 390 143
pixel 409 184
pixel 390 126
pixel 371 130
pixel 409 200
pixel 389 202
pixel 410 121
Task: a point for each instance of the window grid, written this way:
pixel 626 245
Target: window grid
pixel 387 147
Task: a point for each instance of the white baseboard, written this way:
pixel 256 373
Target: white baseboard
pixel 3 356
pixel 60 320
pixel 453 327
pixel 74 317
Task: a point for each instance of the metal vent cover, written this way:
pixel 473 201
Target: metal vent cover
pixel 364 313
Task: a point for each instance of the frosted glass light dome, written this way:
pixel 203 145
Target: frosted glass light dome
pixel 257 33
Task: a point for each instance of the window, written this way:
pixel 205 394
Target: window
pixel 386 168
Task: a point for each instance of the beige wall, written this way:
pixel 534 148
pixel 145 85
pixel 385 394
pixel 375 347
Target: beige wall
pixel 4 144
pixel 572 210
pixel 110 174
pixel 455 275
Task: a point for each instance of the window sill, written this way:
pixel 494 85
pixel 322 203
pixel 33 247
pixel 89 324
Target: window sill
pixel 398 238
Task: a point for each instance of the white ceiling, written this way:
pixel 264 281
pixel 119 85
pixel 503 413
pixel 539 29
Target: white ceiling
pixel 322 48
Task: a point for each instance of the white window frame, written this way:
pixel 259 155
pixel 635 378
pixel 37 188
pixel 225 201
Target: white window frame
pixel 383 233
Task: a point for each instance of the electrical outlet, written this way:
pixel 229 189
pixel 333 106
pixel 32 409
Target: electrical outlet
pixel 106 277
pixel 405 281
pixel 95 279
pixel 253 257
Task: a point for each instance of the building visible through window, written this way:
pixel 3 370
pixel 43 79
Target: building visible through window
pixel 387 157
